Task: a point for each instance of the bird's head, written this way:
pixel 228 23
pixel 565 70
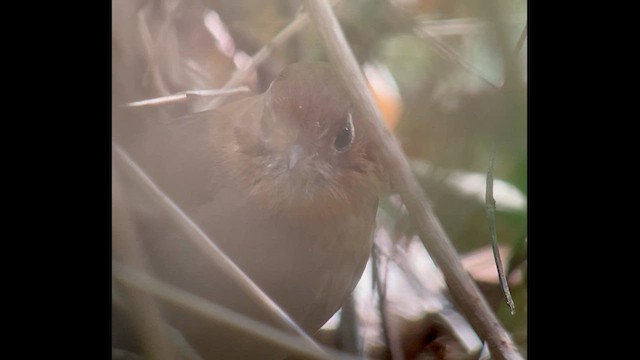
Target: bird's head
pixel 308 148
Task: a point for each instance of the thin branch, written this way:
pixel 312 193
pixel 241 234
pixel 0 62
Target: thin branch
pixel 493 12
pixel 190 94
pixel 426 29
pixel 450 54
pixel 215 312
pixel 348 330
pixel 150 51
pixel 200 239
pixel 145 314
pixel 410 275
pixel 463 289
pixel 460 26
pixel 523 36
pixel 490 204
pixel 381 288
pixel 491 222
pixel 300 22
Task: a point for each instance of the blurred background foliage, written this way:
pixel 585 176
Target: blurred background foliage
pixel 450 78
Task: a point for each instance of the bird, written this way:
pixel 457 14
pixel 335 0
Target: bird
pixel 286 183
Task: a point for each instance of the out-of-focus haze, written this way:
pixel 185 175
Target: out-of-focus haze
pixel 450 79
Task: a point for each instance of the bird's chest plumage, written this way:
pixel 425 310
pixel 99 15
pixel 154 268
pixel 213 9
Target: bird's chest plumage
pixel 307 265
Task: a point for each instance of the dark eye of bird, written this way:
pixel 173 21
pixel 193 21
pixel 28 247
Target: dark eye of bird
pixel 345 136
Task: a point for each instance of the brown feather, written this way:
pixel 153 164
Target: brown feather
pixel 302 233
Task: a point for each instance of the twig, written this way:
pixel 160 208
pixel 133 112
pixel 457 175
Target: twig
pixel 348 329
pixel 523 36
pixel 184 95
pixel 491 222
pixel 410 275
pixel 462 287
pixel 218 313
pixel 460 26
pixel 389 336
pixel 240 75
pixel 494 14
pixel 490 204
pixel 200 239
pixel 150 51
pixel 447 52
pixel 450 54
pixel 145 314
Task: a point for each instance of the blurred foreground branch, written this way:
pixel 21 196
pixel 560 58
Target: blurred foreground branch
pixel 523 37
pixel 448 53
pixel 185 95
pixel 463 289
pixel 214 312
pixel 300 22
pixel 146 315
pixel 198 237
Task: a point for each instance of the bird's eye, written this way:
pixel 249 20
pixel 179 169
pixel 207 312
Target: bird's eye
pixel 345 135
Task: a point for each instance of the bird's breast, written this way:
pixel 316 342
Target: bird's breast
pixel 307 265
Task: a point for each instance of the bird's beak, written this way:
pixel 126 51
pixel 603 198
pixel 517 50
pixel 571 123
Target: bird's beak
pixel 295 154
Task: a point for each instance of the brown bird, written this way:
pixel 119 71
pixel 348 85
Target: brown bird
pixel 286 183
